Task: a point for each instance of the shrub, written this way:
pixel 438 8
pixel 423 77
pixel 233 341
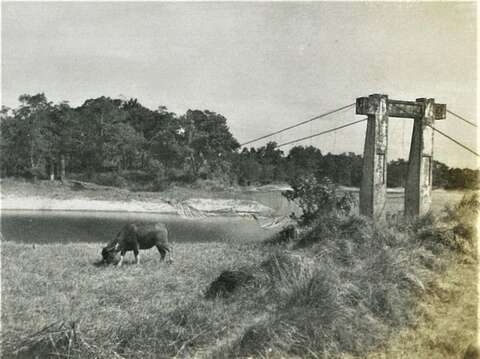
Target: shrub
pixel 454 229
pixel 317 198
pixel 464 211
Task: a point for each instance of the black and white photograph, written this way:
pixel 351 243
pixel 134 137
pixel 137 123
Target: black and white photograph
pixel 239 179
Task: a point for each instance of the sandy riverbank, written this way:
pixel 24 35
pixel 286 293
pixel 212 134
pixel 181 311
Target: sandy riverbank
pixel 206 205
pixel 54 196
pixel 78 204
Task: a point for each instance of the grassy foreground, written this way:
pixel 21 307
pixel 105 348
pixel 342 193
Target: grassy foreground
pixel 447 318
pixel 347 287
pixel 107 309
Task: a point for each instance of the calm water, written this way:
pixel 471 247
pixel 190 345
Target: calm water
pixel 66 227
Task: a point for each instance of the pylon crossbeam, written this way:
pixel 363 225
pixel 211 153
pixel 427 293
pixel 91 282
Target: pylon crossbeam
pixel 403 109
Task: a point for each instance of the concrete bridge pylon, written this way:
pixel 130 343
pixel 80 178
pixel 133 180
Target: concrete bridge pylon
pixel 418 188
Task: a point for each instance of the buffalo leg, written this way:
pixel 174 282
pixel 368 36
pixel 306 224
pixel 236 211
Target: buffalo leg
pixel 162 252
pixel 170 259
pixel 166 249
pixel 136 253
pixel 122 254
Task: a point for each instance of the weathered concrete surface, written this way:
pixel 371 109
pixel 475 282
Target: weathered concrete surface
pixel 418 188
pixel 404 109
pixel 373 189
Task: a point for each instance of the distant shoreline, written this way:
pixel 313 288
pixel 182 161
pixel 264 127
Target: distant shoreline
pixel 57 196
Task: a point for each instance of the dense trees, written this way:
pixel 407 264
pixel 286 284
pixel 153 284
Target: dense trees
pixel 397 173
pixel 106 135
pixel 26 139
pixel 120 142
pixel 209 143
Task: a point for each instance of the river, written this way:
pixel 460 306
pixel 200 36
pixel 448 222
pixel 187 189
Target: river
pixel 75 226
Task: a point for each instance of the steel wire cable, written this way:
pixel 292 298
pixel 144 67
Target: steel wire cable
pixel 462 118
pixel 298 124
pixel 454 140
pixel 449 137
pixel 323 132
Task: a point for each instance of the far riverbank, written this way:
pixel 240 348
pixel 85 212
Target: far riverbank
pixel 200 200
pixel 82 196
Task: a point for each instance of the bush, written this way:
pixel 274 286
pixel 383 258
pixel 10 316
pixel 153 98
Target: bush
pixel 317 199
pixel 455 228
pixel 466 210
pixel 462 219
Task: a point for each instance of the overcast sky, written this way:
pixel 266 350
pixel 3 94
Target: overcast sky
pixel 264 66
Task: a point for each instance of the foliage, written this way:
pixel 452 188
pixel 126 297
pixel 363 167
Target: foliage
pixel 462 178
pixel 109 135
pixel 443 176
pixel 463 218
pixel 397 173
pixel 318 198
pixel 28 139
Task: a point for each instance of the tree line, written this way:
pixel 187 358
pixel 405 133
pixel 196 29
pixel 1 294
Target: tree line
pixel 123 143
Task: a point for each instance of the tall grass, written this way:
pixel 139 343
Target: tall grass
pixel 352 283
pixel 345 286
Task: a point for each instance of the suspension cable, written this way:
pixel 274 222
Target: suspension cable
pixel 462 118
pixel 323 132
pixel 449 137
pixel 454 140
pixel 298 124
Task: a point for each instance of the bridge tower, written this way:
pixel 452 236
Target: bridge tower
pixel 373 189
pixel 418 188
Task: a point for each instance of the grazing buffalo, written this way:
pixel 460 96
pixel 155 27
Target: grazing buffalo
pixel 134 237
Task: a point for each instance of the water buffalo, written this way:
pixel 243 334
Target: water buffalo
pixel 134 237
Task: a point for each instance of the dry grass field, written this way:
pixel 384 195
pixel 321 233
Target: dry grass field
pixel 447 317
pixel 114 309
pixel 347 288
